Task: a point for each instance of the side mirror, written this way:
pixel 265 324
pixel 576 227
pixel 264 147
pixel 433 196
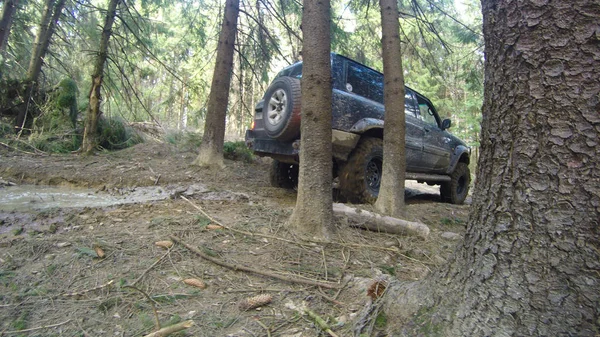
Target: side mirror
pixel 446 124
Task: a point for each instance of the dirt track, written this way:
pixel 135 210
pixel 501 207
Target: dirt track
pixel 50 273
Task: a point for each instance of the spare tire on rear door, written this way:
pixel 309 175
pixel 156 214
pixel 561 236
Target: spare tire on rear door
pixel 281 110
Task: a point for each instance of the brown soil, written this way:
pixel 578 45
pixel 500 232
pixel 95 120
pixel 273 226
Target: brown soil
pixel 53 283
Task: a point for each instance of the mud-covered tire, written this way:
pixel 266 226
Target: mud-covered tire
pixel 281 110
pixel 360 176
pixel 455 191
pixel 283 175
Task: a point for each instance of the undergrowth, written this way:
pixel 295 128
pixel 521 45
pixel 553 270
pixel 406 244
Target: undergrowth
pixel 188 141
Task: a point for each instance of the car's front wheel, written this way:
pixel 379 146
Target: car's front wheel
pixel 360 176
pixel 455 191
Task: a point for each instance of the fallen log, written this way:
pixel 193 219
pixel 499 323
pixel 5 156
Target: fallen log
pixel 375 222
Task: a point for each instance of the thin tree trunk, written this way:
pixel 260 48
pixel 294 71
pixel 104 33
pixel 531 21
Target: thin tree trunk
pixel 52 12
pixel 90 133
pixel 391 193
pixel 211 149
pixel 313 214
pixel 8 12
pixel 530 263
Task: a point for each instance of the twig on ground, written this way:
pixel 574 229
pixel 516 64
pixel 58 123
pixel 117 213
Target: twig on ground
pixel 153 307
pixel 330 299
pixel 37 328
pixel 320 322
pixel 264 327
pixel 14 148
pixel 149 268
pixel 251 270
pixel 83 292
pixel 171 329
pixel 353 245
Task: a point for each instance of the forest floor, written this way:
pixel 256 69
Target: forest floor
pixel 53 283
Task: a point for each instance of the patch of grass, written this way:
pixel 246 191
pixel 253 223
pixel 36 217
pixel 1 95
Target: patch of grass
pixel 425 324
pixel 390 270
pixel 115 134
pixel 184 140
pixel 6 129
pixel 51 269
pixel 18 231
pixel 452 222
pixel 21 322
pixel 202 221
pixel 237 151
pixel 381 320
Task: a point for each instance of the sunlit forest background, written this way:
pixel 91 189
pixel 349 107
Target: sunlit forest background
pixel 162 54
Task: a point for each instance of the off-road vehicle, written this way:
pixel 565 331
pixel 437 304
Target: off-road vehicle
pixel 433 155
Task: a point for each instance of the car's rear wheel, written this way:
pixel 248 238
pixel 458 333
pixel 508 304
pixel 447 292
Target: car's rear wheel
pixel 283 175
pixel 281 110
pixel 360 176
pixel 455 191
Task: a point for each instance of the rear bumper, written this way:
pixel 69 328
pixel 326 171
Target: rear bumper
pixel 287 152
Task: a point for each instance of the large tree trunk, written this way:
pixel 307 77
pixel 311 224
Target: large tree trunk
pixel 90 132
pixel 52 12
pixel 211 149
pixel 8 12
pixel 391 192
pixel 530 261
pixel 313 213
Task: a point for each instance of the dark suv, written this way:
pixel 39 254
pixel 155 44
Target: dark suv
pixel 433 155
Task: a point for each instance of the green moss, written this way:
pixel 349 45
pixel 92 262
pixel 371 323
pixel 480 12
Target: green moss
pixel 115 134
pixel 237 151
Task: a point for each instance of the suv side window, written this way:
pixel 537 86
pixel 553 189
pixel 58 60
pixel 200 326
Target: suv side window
pixel 426 112
pixel 409 103
pixel 364 82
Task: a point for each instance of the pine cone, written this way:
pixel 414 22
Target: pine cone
pixel 195 283
pixel 164 244
pixel 255 302
pixel 377 289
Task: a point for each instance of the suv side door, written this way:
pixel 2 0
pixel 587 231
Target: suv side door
pixel 437 149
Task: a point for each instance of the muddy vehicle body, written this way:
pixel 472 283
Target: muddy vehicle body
pixel 433 155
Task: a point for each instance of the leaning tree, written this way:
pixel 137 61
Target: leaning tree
pixel 90 133
pixel 530 260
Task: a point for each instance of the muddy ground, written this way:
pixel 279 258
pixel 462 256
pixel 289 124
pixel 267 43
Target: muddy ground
pixel 53 283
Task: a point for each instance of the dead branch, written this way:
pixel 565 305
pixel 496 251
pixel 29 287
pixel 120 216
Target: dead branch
pixel 379 223
pixel 171 329
pixel 254 271
pixel 157 321
pixel 34 329
pixel 320 322
pixel 83 292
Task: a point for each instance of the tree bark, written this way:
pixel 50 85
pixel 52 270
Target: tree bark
pixel 530 261
pixel 391 192
pixel 211 149
pixel 8 12
pixel 90 132
pixel 313 215
pixel 52 12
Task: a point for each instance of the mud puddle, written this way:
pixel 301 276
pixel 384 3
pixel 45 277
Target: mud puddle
pixel 23 198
